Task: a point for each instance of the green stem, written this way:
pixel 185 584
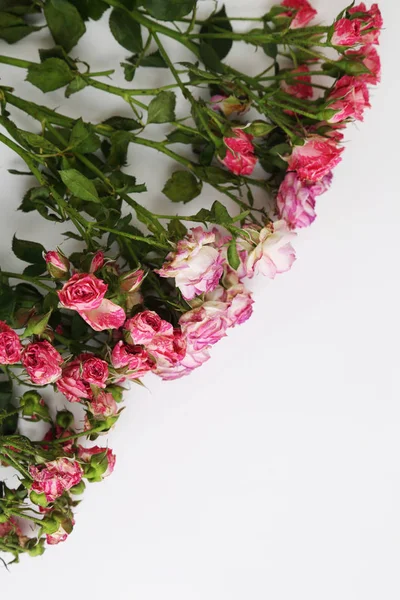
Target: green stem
pixel 22 277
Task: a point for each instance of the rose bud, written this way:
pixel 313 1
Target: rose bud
pixel 58 265
pixel 64 419
pixel 99 462
pixel 130 282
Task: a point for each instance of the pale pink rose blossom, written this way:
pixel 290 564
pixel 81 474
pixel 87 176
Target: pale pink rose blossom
pixel 370 58
pixel 205 325
pixel 239 157
pixel 296 199
pixel 56 477
pixel 103 406
pixel 346 32
pixel 131 362
pixel 299 85
pixel 193 360
pixel 42 362
pixel 168 349
pixel 10 345
pixel 57 264
pixel 240 304
pixel 371 22
pixel 108 462
pixel 97 262
pixel 349 97
pixel 301 10
pixel 316 158
pixel 270 251
pixel 145 326
pixel 196 264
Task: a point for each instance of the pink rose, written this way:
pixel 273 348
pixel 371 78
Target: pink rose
pixel 192 360
pixel 240 157
pixel 97 262
pixel 371 60
pixel 349 98
pixel 132 360
pixel 316 158
pixel 10 346
pixel 240 304
pixel 299 86
pixel 346 32
pixel 42 362
pixel 205 325
pixel 83 292
pixel 71 383
pixel 370 21
pixel 229 105
pixel 296 199
pixel 196 265
pixel 56 433
pixel 94 370
pixel 270 250
pixel 56 477
pixel 301 12
pixel 58 265
pixel 103 406
pixel 107 316
pixel 168 348
pixel 144 326
pixel 101 461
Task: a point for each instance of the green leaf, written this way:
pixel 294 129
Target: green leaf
pixel 122 182
pixel 182 187
pixel 154 60
pixel 122 123
pixel 218 23
pixel 35 270
pixel 168 10
pixel 65 23
pixel 182 137
pixel 79 185
pixel 162 108
pixel 37 325
pixel 126 30
pixel 176 230
pixel 215 175
pixel 210 58
pixel 233 255
pixel 38 142
pixel 90 9
pixel 57 52
pixel 118 151
pixel 220 213
pixel 76 85
pixel 14 28
pixel 259 128
pixel 30 252
pixel 19 7
pixel 5 393
pixel 50 75
pixel 83 138
pixel 7 302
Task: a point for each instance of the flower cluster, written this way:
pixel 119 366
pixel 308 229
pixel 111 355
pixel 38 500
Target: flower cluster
pixel 144 294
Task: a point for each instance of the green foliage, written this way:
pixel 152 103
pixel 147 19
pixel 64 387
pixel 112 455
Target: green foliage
pixel 52 74
pixel 122 123
pixel 65 23
pixel 168 10
pixel 233 255
pixel 183 186
pixel 83 138
pixel 218 23
pixel 30 252
pixel 162 108
pixel 126 30
pixel 79 185
pixel 13 28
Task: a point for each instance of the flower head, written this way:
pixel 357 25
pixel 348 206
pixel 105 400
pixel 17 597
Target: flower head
pixel 56 477
pixel 10 345
pixel 42 362
pixel 239 157
pixel 316 158
pixel 300 11
pixel 296 199
pixel 349 98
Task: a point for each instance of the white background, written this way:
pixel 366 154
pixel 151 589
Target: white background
pixel 273 471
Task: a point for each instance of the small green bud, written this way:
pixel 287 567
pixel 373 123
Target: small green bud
pixel 64 419
pixel 78 489
pixel 39 499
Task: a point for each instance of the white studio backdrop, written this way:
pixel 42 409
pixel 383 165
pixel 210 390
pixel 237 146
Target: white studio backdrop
pixel 273 472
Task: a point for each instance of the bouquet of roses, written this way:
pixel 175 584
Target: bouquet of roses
pixel 144 292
